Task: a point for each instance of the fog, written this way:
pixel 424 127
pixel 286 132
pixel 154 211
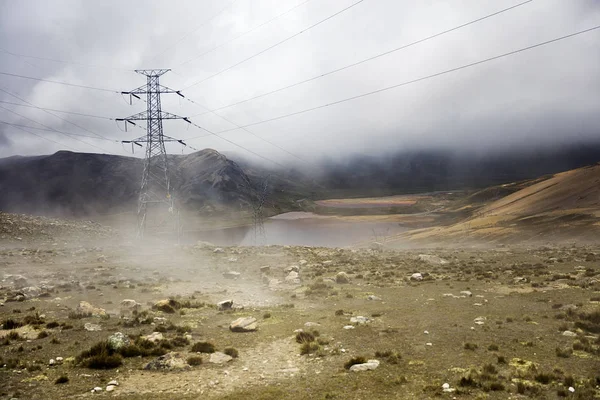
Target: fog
pixel 545 96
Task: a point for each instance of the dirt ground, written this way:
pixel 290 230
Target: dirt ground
pixel 489 323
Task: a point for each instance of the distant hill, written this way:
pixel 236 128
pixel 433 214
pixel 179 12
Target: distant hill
pixel 82 184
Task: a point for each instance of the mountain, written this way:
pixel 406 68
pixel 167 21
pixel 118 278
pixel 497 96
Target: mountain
pixel 438 170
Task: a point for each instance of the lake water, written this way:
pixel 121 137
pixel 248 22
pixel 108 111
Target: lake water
pixel 302 229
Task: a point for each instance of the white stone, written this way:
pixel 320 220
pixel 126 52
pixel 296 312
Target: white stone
pixel 569 334
pixel 113 383
pixel 219 358
pixel 369 365
pixel 52 361
pixel 571 389
pixel 349 327
pixel 110 388
pixel 428 344
pixel 92 327
pixel 359 320
pixel 417 276
pixel 467 293
pixel 97 389
pixel 154 337
pixel 446 386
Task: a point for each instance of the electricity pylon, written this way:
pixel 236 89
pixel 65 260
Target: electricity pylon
pixel 156 186
pixel 260 236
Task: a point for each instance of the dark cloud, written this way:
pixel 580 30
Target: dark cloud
pixel 543 97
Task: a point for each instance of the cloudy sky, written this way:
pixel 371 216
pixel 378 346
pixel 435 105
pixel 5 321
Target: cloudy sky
pixel 545 96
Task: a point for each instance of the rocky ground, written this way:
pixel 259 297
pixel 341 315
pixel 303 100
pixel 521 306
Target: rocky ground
pixel 279 322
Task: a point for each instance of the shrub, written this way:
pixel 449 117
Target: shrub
pixel 543 378
pixel 490 369
pixel 61 379
pixel 11 324
pixel 52 325
pixel 339 312
pixel 304 337
pixel 354 361
pixel 180 341
pixel 203 347
pixel 100 356
pixel 563 353
pixel 230 351
pixel 493 347
pixel 501 360
pixel 42 335
pixel 194 360
pixel 470 346
pixel 496 387
pixel 309 348
pixel 266 315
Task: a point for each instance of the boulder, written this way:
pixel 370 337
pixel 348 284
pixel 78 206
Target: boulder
pixel 432 259
pixel 85 308
pixel 369 365
pixel 225 305
pixel 342 278
pixel 231 275
pixel 92 327
pixel 293 277
pixel 130 305
pixel 417 276
pixel 359 320
pixel 154 337
pixel 244 324
pixel 219 358
pixel 168 362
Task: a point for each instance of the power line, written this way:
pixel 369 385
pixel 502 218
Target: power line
pixel 276 44
pixel 62 61
pixel 368 59
pixel 51 113
pixel 52 129
pixel 52 109
pixel 244 33
pixel 42 137
pixel 58 82
pixel 415 80
pixel 248 131
pixel 233 143
pixel 195 30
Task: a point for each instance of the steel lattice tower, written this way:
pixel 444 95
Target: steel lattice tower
pixel 156 186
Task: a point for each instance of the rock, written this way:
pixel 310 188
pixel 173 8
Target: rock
pixel 110 388
pixel 293 277
pixel 479 320
pixel 274 284
pixel 225 305
pixel 165 305
pixel 118 340
pixel 347 327
pixel 373 297
pixel 359 320
pixel 244 324
pixel 113 383
pixel 59 360
pixel 571 389
pixel 19 281
pixel 154 337
pixel 97 389
pixel 231 275
pixel 311 324
pixel 52 362
pixel 219 358
pixel 218 250
pixel 446 386
pixel 265 270
pixel 342 278
pixel 130 305
pixel 569 334
pixel 417 276
pixel 431 259
pixel 292 268
pixel 568 307
pixel 520 279
pixel 168 362
pixel 85 308
pixel 92 327
pixel 369 365
pixel 31 291
pixel 467 293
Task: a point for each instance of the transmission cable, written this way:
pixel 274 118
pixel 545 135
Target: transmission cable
pixel 45 138
pixel 55 110
pixel 54 130
pixel 367 59
pixel 59 82
pixel 51 113
pixel 275 45
pixel 195 30
pixel 63 61
pixel 416 80
pixel 234 38
pixel 248 131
